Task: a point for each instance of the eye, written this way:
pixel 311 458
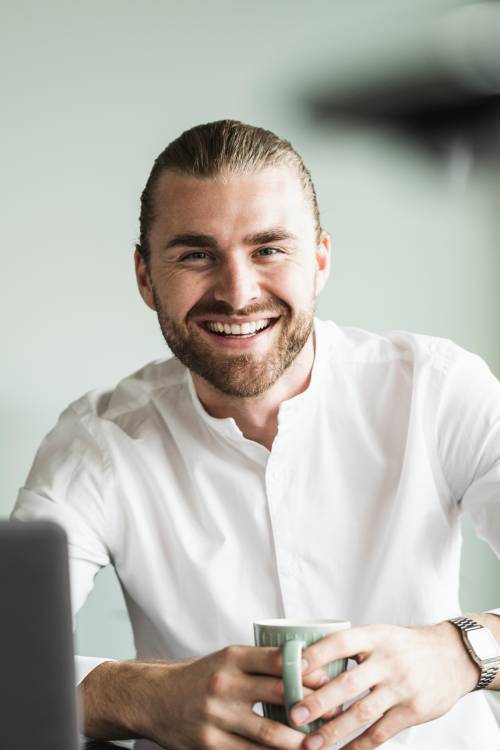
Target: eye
pixel 197 255
pixel 268 251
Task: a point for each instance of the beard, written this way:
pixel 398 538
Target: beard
pixel 243 375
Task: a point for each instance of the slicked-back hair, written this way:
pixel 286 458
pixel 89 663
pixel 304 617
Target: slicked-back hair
pixel 222 148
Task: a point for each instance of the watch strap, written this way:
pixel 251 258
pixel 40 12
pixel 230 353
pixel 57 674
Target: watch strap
pixel 488 674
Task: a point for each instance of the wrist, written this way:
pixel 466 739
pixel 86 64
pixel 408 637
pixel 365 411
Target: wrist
pixel 462 669
pixel 487 652
pixel 117 700
pixel 481 645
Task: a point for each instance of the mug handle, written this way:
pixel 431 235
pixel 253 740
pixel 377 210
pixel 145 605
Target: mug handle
pixel 292 672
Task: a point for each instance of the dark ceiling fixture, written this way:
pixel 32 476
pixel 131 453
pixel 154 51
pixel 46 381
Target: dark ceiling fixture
pixel 447 90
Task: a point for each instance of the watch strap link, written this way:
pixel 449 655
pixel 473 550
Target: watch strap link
pixel 488 674
pixel 465 623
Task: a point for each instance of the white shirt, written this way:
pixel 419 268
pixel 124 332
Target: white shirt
pixel 353 514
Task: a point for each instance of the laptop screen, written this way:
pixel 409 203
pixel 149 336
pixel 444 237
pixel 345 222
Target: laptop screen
pixel 37 680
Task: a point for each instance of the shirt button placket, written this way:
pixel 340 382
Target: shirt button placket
pixel 274 499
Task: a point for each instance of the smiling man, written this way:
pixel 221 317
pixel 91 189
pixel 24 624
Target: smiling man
pixel 276 466
pixel 232 266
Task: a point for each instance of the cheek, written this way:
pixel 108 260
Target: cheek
pixel 178 294
pixel 296 285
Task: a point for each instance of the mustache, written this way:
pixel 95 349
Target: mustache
pixel 219 307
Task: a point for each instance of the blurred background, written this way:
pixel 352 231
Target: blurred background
pixel 393 106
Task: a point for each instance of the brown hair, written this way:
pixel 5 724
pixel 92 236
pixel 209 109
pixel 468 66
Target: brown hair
pixel 224 146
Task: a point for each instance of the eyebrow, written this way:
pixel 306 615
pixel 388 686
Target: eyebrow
pixel 190 239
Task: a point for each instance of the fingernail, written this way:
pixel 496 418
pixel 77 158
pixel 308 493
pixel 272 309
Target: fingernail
pixel 300 715
pixel 314 742
pixel 305 664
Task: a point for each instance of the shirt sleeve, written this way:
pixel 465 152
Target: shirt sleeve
pixel 67 485
pixel 468 437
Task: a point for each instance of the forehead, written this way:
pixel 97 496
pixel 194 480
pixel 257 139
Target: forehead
pixel 231 204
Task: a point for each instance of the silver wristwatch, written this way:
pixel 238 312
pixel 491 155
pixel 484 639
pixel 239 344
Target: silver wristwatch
pixel 482 646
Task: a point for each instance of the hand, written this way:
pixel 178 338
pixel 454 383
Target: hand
pixel 207 703
pixel 413 675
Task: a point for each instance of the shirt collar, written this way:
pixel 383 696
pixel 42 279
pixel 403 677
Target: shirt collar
pixel 289 409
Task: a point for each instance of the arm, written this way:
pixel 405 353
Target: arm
pixel 414 675
pixel 65 485
pixel 193 704
pixel 199 703
pixel 417 674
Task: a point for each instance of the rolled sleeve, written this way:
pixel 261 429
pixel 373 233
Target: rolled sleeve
pixel 67 485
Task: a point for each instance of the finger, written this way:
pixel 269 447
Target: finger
pixel 316 679
pixel 342 644
pixel 365 711
pixel 256 688
pixel 255 659
pixel 269 660
pixel 393 722
pixel 338 691
pixel 216 738
pixel 332 714
pixel 264 732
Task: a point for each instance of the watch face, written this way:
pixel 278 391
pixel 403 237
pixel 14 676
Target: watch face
pixel 484 645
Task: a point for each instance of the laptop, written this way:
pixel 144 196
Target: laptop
pixel 38 708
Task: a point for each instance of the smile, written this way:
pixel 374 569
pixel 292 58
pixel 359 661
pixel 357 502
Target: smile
pixel 234 329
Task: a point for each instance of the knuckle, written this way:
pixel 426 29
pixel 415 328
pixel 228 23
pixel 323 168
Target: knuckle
pixel 276 662
pixel 266 733
pixel 349 681
pixel 380 632
pixel 316 704
pixel 400 676
pixel 364 711
pixel 206 738
pixel 379 734
pixel 331 735
pixel 217 683
pixel 410 687
pixel 279 692
pixel 417 707
pixel 229 654
pixel 340 640
pixel 417 698
pixel 208 709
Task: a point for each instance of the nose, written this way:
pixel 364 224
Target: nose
pixel 237 283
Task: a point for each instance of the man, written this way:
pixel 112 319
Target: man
pixel 276 466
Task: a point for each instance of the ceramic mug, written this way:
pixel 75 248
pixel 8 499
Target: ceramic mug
pixel 292 636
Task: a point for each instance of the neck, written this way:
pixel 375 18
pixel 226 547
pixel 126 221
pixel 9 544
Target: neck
pixel 257 417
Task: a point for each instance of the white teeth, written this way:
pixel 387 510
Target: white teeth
pixel 237 330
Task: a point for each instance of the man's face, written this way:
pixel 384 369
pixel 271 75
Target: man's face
pixel 233 274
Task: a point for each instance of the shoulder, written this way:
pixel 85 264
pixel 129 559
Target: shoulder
pixel 82 440
pixel 434 353
pixel 133 396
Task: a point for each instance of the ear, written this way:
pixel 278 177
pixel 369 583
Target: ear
pixel 143 279
pixel 323 257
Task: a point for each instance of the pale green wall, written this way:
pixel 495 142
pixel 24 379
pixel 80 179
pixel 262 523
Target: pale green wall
pixel 95 91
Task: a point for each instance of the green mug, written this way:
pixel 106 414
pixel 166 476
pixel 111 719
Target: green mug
pixel 292 636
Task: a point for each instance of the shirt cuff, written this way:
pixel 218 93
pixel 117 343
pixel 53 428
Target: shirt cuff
pixel 493 612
